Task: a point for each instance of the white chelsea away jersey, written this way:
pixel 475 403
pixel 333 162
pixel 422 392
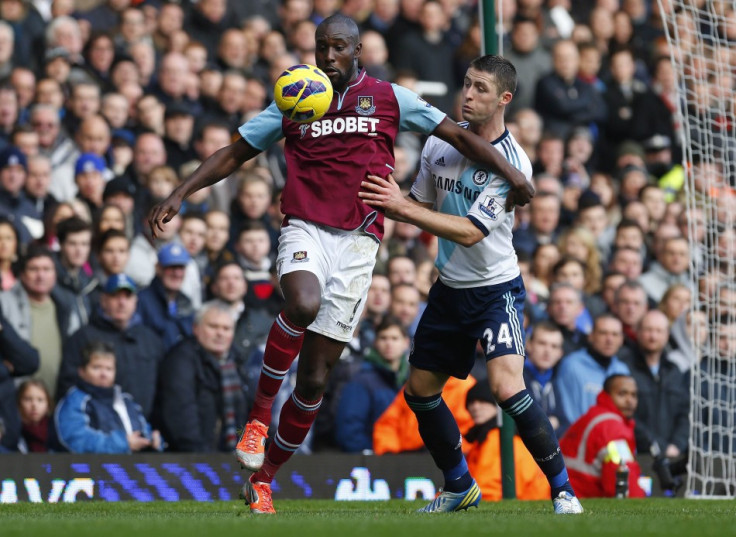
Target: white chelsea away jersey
pixel 458 186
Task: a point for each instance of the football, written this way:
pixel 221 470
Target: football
pixel 303 93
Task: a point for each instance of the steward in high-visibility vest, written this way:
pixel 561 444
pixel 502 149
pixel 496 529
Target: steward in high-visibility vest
pixel 601 439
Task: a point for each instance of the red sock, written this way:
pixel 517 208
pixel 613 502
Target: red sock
pixel 297 416
pixel 284 343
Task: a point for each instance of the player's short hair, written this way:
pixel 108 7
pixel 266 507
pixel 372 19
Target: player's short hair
pixel 339 18
pixel 502 69
pixel 96 347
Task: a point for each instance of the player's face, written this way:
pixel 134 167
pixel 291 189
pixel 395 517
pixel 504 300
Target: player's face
pixel 481 100
pixel 336 54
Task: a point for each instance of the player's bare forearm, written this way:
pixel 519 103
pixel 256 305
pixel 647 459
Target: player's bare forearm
pixel 478 150
pixel 219 165
pixel 385 194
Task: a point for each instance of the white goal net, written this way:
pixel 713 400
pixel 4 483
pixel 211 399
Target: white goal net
pixel 702 39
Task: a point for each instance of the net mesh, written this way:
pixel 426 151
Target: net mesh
pixel 702 42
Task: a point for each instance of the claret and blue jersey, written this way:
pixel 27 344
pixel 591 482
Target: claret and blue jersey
pixel 328 159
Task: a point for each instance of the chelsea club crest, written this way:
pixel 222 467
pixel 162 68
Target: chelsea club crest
pixel 480 177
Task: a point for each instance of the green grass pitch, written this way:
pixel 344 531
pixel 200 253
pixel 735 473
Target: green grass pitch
pixel 665 517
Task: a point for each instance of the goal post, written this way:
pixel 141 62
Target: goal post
pixel 702 44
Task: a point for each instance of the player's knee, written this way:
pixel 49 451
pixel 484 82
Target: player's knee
pixel 303 310
pixel 312 386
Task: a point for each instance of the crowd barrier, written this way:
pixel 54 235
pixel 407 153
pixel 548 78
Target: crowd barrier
pixel 171 477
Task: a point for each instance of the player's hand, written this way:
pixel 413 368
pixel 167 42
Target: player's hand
pixel 163 212
pixel 384 194
pixel 519 195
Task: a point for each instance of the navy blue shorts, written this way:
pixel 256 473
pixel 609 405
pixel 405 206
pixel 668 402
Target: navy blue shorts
pixel 456 319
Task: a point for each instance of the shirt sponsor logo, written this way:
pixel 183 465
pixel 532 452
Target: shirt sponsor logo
pixel 344 327
pixel 491 208
pixel 455 186
pixel 480 177
pixel 365 105
pixel 300 257
pixel 344 125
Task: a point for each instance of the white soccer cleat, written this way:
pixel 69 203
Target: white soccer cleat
pixel 567 504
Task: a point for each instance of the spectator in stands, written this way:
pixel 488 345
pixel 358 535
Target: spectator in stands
pixel 562 99
pixel 138 349
pixel 58 146
pixel 580 375
pixel 162 305
pixel 543 259
pixel 572 270
pixel 397 430
pixel 676 300
pixel 664 398
pixel 629 101
pixel 17 359
pixel 90 182
pixel 96 416
pixel 193 235
pixel 543 353
pixel 428 53
pixel 200 398
pixel 13 203
pixel 628 262
pixel 405 305
pixel 630 306
pixel 73 273
pixel 484 452
pixel 40 312
pixel 111 255
pixel 10 253
pixel 543 225
pixel 34 408
pixel 373 388
pixel 531 60
pixel 377 304
pixel 602 439
pixel 671 267
pixel 251 324
pixel 564 307
pixel 38 184
pixel 179 133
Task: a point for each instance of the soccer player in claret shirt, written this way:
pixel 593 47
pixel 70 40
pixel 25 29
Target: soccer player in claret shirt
pixel 329 237
pixel 479 295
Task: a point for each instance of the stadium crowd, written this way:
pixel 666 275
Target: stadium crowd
pixel 105 108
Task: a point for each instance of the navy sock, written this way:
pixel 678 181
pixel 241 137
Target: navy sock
pixel 441 435
pixel 539 438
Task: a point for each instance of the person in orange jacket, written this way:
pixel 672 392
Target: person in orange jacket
pixel 397 429
pixel 596 444
pixel 484 452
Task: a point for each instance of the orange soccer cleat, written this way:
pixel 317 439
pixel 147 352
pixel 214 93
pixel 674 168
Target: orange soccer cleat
pixel 251 447
pixel 258 497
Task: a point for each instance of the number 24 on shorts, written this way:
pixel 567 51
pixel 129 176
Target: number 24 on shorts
pixel 504 337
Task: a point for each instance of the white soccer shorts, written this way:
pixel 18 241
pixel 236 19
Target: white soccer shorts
pixel 343 262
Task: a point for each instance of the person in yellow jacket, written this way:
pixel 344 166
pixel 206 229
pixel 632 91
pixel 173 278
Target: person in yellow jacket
pixel 483 452
pixel 397 429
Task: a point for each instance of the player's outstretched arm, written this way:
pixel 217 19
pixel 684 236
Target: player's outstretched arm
pixel 219 165
pixel 477 149
pixel 385 194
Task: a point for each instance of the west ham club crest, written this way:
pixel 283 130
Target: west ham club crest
pixel 365 105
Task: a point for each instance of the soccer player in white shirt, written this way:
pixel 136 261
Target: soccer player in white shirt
pixel 479 294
